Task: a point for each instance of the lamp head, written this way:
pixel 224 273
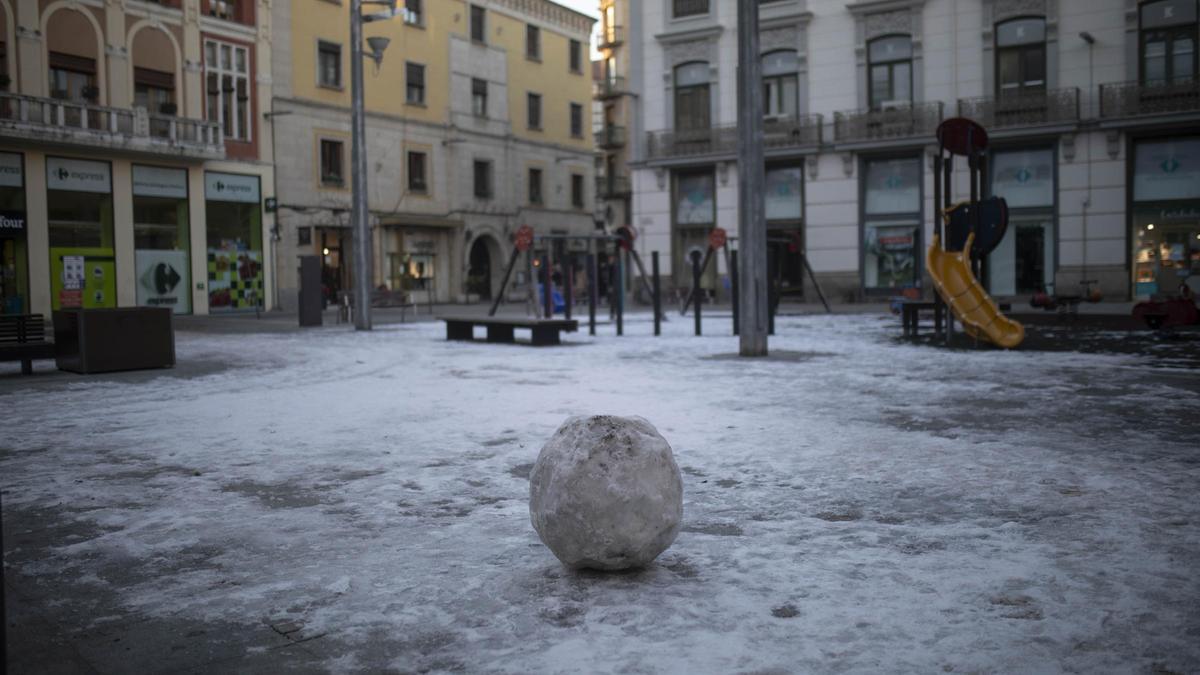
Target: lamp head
pixel 1087 37
pixel 378 44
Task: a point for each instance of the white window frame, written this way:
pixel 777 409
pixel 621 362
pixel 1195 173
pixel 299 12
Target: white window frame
pixel 213 66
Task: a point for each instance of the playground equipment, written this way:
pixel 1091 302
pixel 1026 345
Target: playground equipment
pixel 1169 312
pixel 963 237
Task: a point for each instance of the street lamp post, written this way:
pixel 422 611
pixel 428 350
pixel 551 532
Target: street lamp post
pixel 752 232
pixel 359 214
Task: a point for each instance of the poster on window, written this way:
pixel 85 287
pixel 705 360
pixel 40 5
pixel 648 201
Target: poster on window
pixel 163 279
pixel 1165 170
pixel 1024 177
pixel 890 257
pixel 893 186
pixel 235 280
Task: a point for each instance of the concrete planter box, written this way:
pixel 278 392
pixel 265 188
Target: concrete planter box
pixel 106 340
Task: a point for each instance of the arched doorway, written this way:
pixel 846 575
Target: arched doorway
pixel 479 269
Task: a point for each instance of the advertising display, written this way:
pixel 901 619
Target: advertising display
pixel 1167 170
pixel 163 280
pixel 83 277
pixel 234 252
pixel 893 186
pixel 782 199
pixel 1024 177
pixel 891 256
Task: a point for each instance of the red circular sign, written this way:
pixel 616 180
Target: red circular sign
pixel 716 238
pixel 523 238
pixel 627 235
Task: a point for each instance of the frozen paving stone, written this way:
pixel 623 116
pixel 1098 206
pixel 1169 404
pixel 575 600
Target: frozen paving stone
pixel 606 493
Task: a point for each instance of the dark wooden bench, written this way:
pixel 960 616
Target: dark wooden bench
pixel 23 338
pixel 910 315
pixel 500 329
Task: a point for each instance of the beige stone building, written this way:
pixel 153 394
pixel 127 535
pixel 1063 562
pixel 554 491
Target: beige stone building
pixel 135 159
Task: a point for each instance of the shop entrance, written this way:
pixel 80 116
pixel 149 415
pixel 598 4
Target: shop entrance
pixel 14 255
pixel 784 247
pixel 479 270
pixel 335 275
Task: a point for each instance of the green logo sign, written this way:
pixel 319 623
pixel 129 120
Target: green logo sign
pixel 1169 165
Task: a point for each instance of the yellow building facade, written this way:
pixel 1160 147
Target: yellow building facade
pixel 134 166
pixel 477 123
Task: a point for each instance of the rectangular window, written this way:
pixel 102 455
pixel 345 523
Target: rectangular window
pixel 683 8
pixel 534 110
pixel 413 14
pixel 332 173
pixel 535 186
pixel 479 97
pixel 329 64
pixel 576 120
pixel 891 230
pixel 154 90
pixel 478 24
pixel 414 83
pixel 483 179
pixel 533 43
pixel 577 191
pixel 417 181
pixel 575 56
pixel 227 88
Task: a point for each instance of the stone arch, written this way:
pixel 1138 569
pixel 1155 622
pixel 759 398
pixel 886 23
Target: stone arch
pixel 485 257
pixel 99 55
pixel 176 52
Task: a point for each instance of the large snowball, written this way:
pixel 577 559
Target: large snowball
pixel 606 493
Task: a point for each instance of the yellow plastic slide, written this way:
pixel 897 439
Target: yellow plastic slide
pixel 975 309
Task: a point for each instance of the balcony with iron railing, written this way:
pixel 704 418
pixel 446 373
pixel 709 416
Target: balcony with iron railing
pixel 609 37
pixel 779 135
pixel 135 130
pixel 897 122
pixel 611 136
pixel 1124 100
pixel 612 186
pixel 609 86
pixel 1054 107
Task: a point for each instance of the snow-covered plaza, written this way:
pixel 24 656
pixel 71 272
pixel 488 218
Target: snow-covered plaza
pixel 340 501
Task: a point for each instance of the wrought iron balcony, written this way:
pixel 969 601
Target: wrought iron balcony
pixel 1133 99
pixel 909 120
pixel 781 133
pixel 610 36
pixel 613 186
pixel 611 136
pixel 609 87
pixel 50 120
pixel 1029 109
pixel 691 142
pixel 791 132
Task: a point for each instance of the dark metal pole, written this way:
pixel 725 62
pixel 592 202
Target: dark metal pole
pixel 593 280
pixel 620 293
pixel 657 293
pixel 568 288
pixel 696 287
pixel 752 231
pixel 733 282
pixel 547 303
pixel 512 262
pixel 363 254
pixel 772 258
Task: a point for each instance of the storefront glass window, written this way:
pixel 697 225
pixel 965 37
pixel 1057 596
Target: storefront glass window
pixel 14 252
pixel 1166 215
pixel 80 210
pixel 695 214
pixel 160 235
pixel 891 230
pixel 1023 262
pixel 783 200
pixel 234 223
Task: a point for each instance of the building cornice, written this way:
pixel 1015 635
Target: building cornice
pixel 549 12
pixel 875 6
pixel 706 33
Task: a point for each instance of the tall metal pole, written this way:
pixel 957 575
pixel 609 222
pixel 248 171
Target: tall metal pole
pixel 363 246
pixel 752 229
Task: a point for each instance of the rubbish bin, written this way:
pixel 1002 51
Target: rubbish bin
pixel 310 290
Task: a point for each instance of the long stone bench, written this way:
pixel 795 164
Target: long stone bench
pixel 501 329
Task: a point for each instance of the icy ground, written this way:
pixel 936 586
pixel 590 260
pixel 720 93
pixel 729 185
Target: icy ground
pixel 358 502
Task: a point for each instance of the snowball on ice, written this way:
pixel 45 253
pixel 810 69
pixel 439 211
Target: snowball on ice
pixel 606 493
